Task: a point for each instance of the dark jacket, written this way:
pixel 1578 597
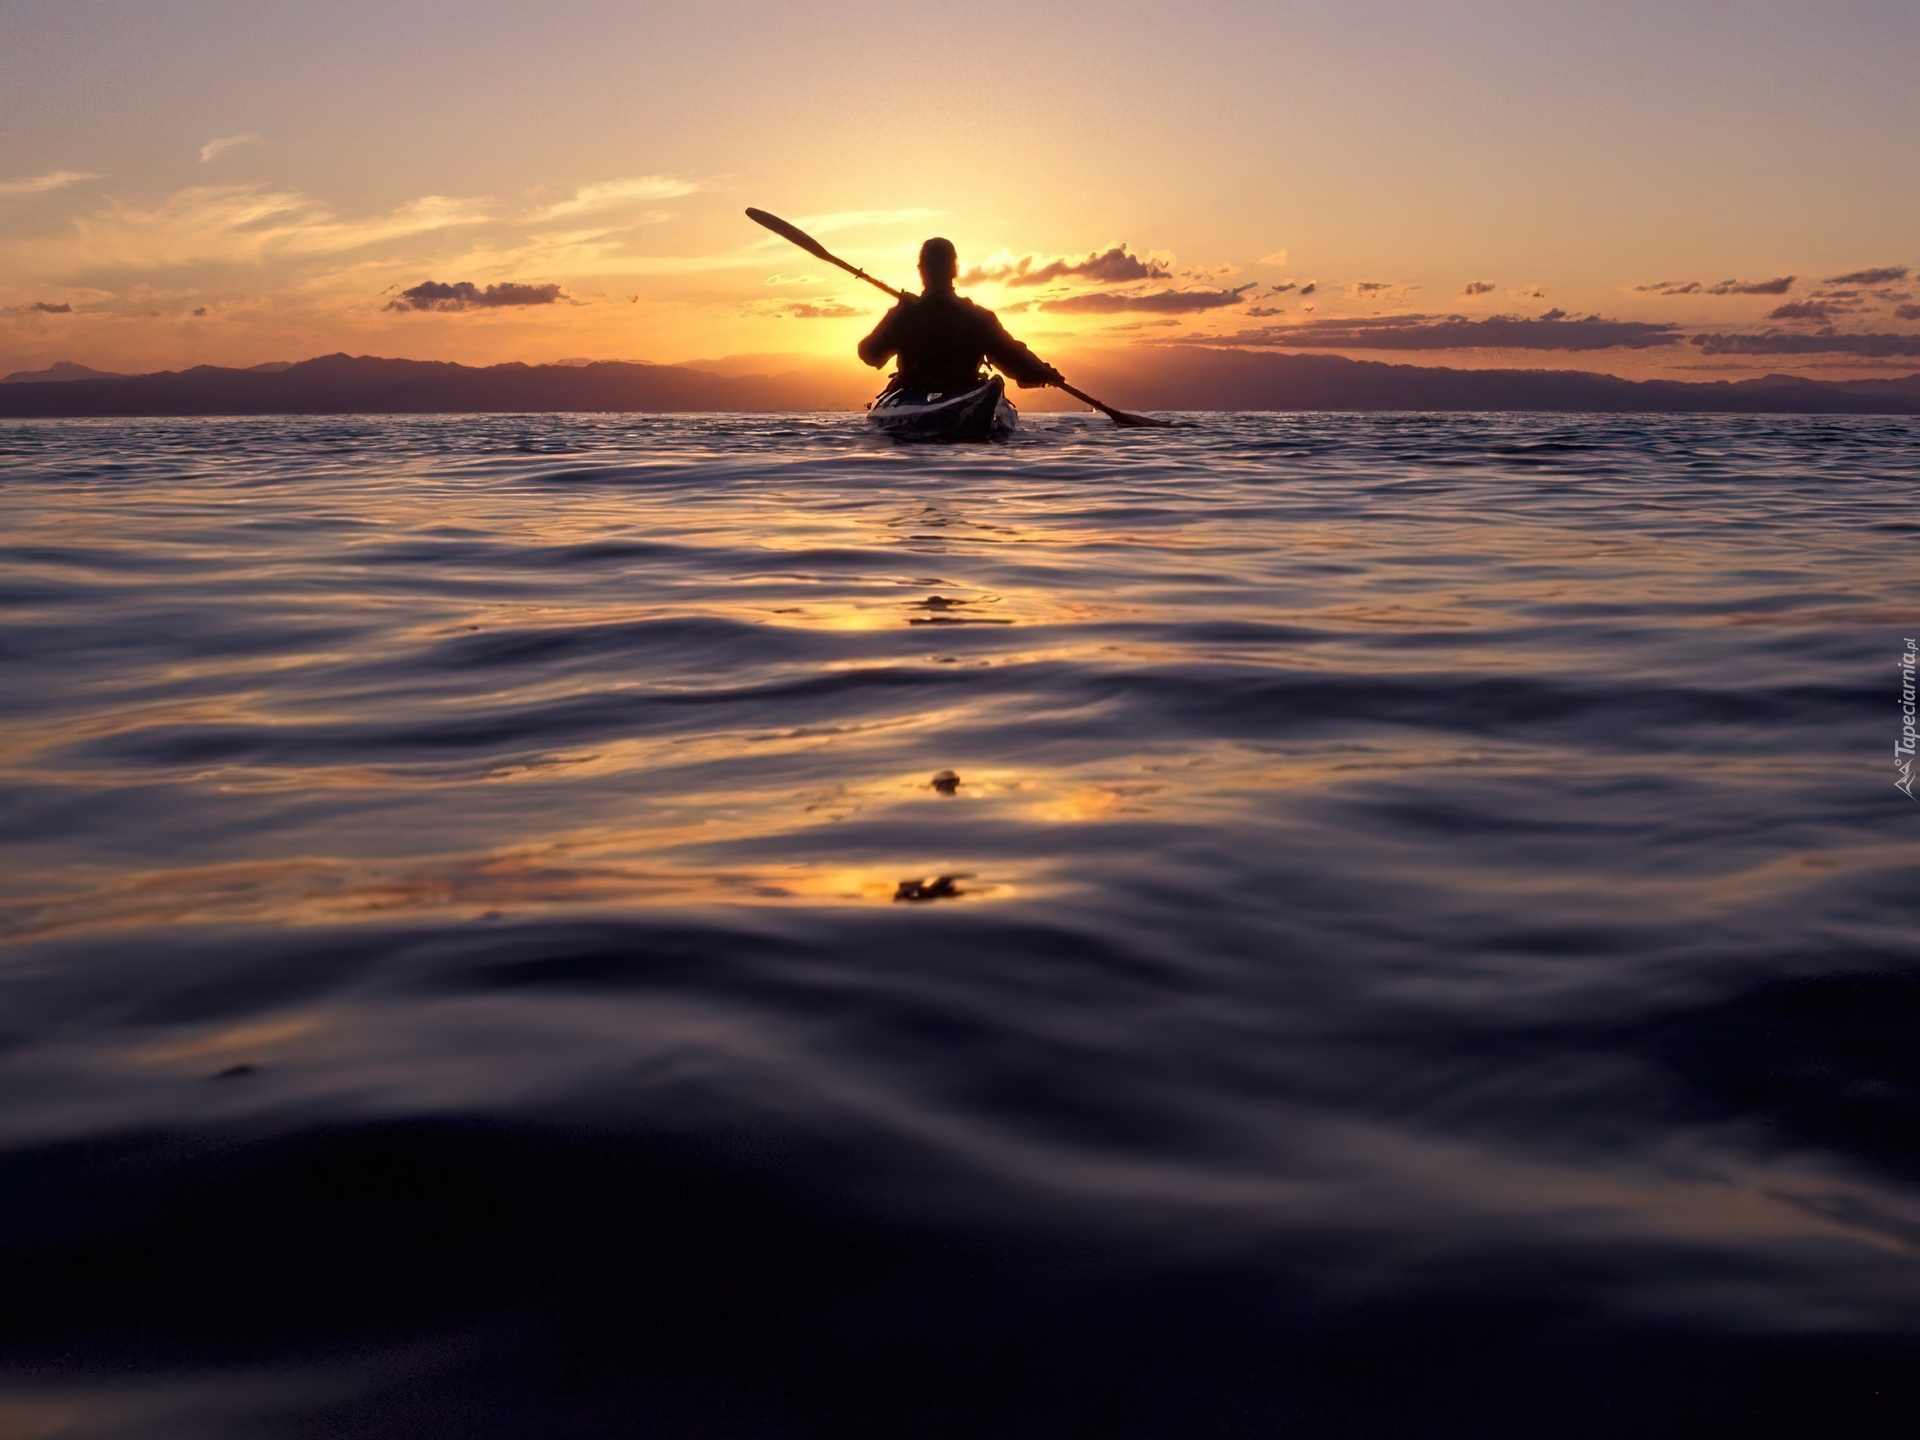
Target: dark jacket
pixel 941 339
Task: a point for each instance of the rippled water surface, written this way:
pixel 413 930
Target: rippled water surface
pixel 1422 940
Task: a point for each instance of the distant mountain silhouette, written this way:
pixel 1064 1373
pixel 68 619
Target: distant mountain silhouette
pixel 58 371
pixel 1162 378
pixel 364 385
pixel 1203 378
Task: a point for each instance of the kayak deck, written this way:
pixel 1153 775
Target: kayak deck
pixel 980 413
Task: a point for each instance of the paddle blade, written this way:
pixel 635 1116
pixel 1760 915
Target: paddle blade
pixel 1119 417
pixel 1122 418
pixel 790 232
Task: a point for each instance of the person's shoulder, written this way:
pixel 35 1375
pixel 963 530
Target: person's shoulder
pixel 975 311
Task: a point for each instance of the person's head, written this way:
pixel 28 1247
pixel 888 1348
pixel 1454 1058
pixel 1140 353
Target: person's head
pixel 939 264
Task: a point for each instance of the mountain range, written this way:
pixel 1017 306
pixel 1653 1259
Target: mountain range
pixel 1160 378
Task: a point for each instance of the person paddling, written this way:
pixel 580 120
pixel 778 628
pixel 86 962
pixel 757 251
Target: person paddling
pixel 941 338
pixel 945 264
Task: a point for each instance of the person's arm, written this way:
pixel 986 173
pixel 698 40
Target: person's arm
pixel 879 347
pixel 1027 369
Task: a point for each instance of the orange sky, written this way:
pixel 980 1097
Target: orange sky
pixel 236 183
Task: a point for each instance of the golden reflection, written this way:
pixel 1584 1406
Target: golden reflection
pixel 495 886
pixel 652 822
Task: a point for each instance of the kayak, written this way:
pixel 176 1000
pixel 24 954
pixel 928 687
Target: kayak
pixel 982 413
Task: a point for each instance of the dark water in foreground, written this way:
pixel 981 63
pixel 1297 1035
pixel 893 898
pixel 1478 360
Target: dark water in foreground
pixel 1427 943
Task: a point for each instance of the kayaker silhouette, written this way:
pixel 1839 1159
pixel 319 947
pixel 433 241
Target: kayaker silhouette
pixel 942 338
pixel 976 414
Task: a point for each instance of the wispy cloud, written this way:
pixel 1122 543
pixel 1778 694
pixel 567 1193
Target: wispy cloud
pixel 1158 302
pixel 831 310
pixel 829 307
pixel 1777 286
pixel 1278 257
pixel 41 307
pixel 1876 275
pixel 1803 310
pixel 40 184
pixel 1114 266
pixel 465 295
pixel 1478 287
pixel 1907 312
pixel 1823 342
pixel 1553 331
pixel 216 224
pixel 225 143
pixel 610 194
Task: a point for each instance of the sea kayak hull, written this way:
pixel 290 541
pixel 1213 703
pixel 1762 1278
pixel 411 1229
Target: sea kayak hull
pixel 982 413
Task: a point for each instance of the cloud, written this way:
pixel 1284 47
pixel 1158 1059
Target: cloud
pixel 465 295
pixel 828 307
pixel 611 193
pixel 830 310
pixel 201 311
pixel 1553 331
pixel 1159 301
pixel 1278 257
pixel 1261 312
pixel 228 142
pixel 1877 275
pixel 1803 310
pixel 1824 342
pixel 1478 287
pixel 1907 312
pixel 1115 266
pixel 1371 287
pixel 1282 289
pixel 40 184
pixel 41 307
pixel 1777 286
pixel 1308 288
pixel 227 224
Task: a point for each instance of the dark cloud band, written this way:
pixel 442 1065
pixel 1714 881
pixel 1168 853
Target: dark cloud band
pixel 1110 267
pixel 465 295
pixel 1876 275
pixel 1552 331
pixel 1163 302
pixel 1826 342
pixel 1779 285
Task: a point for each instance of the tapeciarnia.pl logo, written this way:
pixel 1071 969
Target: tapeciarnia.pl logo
pixel 1903 747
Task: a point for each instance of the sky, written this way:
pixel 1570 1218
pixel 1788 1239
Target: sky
pixel 1697 189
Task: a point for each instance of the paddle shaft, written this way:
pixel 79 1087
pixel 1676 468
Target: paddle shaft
pixel 1115 415
pixel 813 247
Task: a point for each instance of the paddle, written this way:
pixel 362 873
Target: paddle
pixel 820 252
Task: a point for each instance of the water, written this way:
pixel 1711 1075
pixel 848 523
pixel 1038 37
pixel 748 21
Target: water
pixel 1422 943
